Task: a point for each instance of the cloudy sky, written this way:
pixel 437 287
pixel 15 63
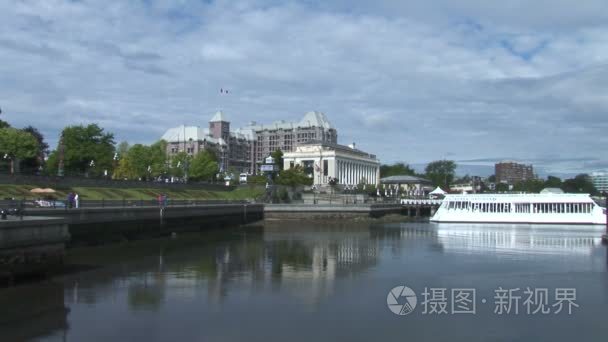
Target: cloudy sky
pixel 471 80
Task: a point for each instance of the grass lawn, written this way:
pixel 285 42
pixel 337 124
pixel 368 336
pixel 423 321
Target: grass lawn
pixel 240 193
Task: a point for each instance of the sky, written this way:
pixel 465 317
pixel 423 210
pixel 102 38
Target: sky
pixel 473 81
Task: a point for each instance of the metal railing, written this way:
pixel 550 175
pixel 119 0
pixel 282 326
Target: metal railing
pixel 25 204
pixel 74 181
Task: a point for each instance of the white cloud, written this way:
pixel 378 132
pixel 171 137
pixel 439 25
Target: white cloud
pixel 408 80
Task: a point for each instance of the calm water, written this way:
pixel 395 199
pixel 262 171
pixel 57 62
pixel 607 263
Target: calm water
pixel 296 281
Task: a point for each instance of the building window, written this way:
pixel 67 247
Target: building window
pixel 308 166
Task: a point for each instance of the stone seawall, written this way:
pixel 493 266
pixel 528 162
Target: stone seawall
pixel 31 245
pixel 327 211
pixel 91 226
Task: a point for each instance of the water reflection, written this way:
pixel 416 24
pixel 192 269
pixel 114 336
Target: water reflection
pixel 307 260
pixel 281 265
pixel 518 239
pixel 297 259
pixel 32 311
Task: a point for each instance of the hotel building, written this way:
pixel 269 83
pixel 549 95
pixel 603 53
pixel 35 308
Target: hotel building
pixel 244 149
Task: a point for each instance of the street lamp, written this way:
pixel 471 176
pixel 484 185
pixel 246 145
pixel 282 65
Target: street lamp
pixel 186 166
pixel 114 162
pixel 7 157
pixel 91 166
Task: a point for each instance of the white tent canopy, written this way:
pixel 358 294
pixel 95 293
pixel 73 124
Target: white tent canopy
pixel 437 191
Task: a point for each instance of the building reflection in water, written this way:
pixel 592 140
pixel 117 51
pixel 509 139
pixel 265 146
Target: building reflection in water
pixel 31 311
pixel 306 260
pixel 302 260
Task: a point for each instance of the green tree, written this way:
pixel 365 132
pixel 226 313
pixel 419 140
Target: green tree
pixel 83 144
pixel 178 164
pixel 122 149
pixel 283 195
pixel 502 187
pixel 278 158
pixel 293 177
pixel 43 149
pixel 51 164
pixel 125 170
pixel 396 170
pixel 143 162
pixel 157 158
pixel 204 166
pixel 580 184
pixel 17 145
pixel 441 173
pixel 553 182
pixel 134 164
pixel 465 179
pixel 530 185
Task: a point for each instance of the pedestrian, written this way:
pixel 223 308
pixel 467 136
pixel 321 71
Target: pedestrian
pixel 77 200
pixel 165 200
pixel 70 200
pixel 159 198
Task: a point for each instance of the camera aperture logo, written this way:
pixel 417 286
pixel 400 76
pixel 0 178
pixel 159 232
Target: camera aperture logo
pixel 401 300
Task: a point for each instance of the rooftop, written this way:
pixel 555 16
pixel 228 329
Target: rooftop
pixel 552 191
pixel 195 133
pixel 310 119
pixel 338 147
pixel 184 133
pixel 219 116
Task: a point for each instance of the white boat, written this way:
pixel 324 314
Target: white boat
pixel 520 208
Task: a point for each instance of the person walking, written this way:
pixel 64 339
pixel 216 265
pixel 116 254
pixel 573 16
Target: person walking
pixel 76 200
pixel 70 200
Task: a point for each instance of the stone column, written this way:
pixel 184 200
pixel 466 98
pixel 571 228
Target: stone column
pixel 348 172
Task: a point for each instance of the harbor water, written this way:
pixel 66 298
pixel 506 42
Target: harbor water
pixel 323 281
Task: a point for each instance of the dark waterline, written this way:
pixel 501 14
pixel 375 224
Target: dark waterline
pixel 301 281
